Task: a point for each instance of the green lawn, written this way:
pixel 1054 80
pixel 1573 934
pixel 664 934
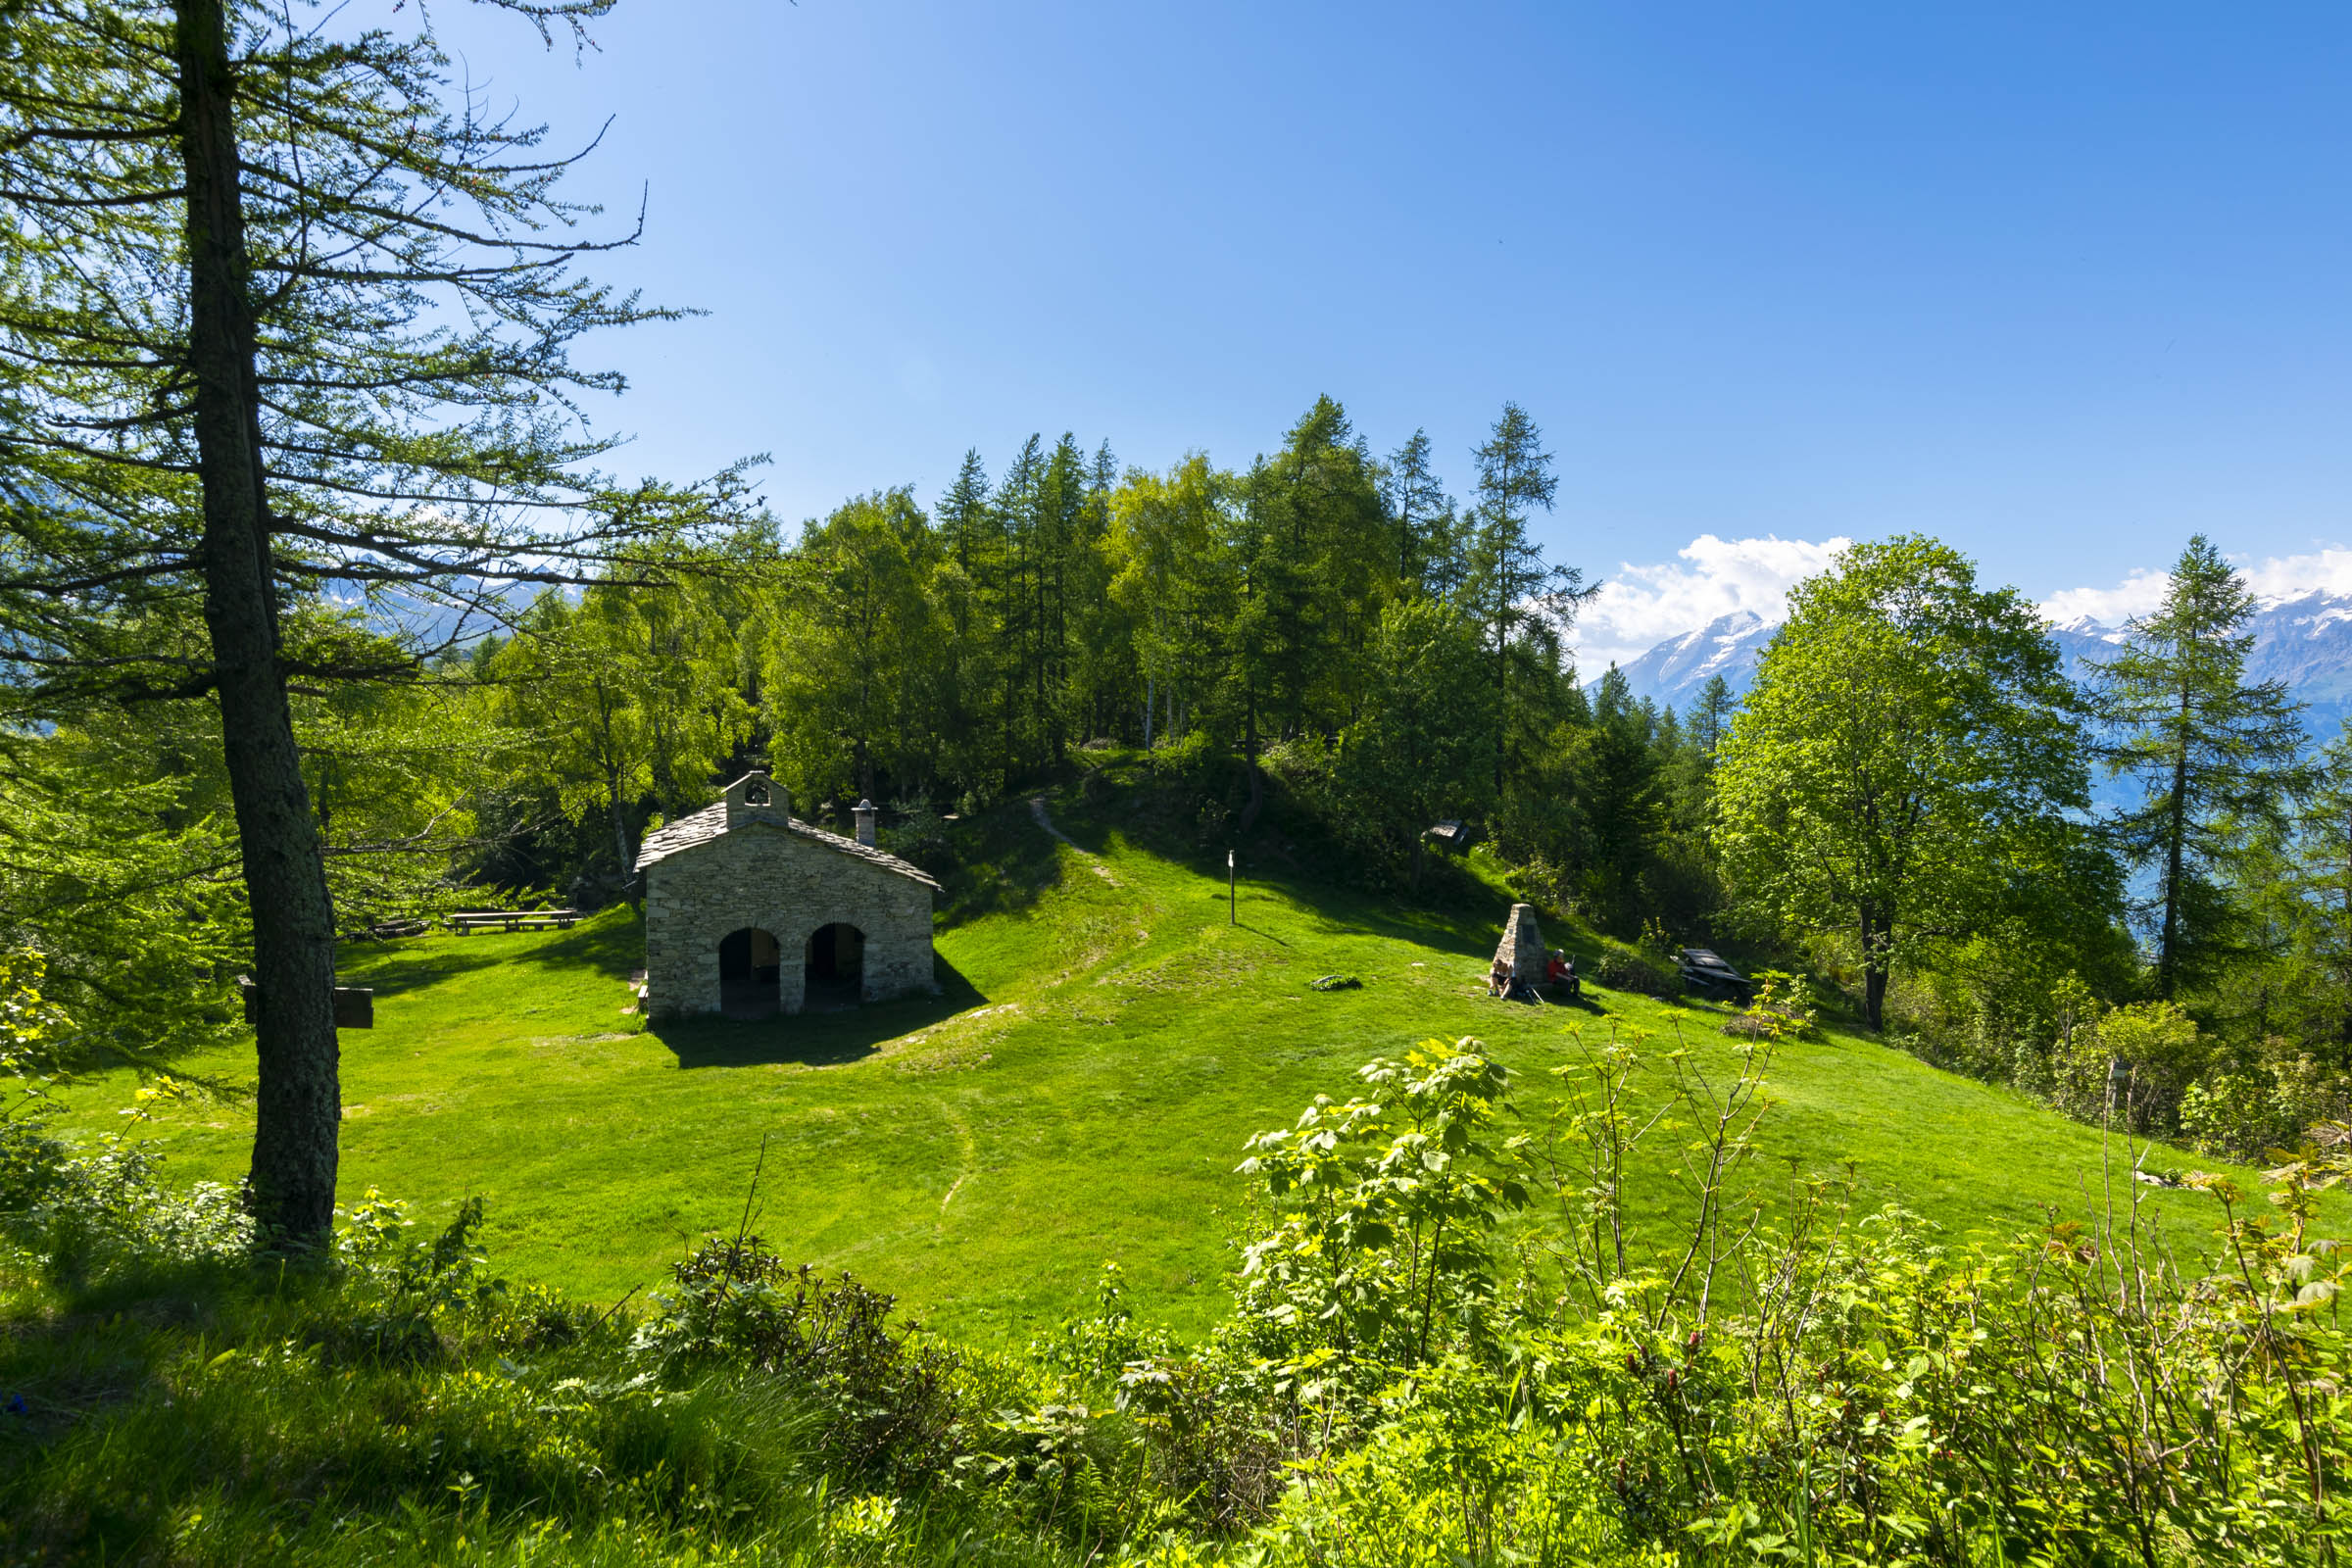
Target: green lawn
pixel 1079 1094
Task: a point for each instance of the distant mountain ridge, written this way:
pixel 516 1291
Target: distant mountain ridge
pixel 2305 641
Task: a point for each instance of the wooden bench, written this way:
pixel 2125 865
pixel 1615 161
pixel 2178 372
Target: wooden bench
pixel 389 930
pixel 473 920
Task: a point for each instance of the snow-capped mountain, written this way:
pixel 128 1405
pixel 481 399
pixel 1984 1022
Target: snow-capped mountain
pixel 2305 641
pixel 1675 670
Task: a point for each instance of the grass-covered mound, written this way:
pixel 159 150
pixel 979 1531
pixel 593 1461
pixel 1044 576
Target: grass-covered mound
pixel 1079 1094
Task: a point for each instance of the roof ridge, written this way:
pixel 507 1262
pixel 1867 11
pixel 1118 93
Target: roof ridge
pixel 711 823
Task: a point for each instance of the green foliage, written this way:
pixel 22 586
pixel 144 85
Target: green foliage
pixel 2131 1064
pixel 626 697
pixel 856 689
pixel 888 1399
pixel 1622 970
pixel 1780 1010
pixel 1907 764
pixel 1375 1255
pixel 1421 751
pixel 2215 757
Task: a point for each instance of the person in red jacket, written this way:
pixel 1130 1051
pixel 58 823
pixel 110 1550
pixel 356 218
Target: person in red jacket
pixel 1560 974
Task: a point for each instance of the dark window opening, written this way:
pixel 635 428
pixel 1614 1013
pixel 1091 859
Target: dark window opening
pixel 754 794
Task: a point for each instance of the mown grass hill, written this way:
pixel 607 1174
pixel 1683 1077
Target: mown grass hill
pixel 1080 1090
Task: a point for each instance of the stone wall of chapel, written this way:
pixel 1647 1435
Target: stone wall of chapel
pixel 773 879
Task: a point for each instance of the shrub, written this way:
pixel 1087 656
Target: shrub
pixel 2262 1100
pixel 1630 971
pixel 2132 1064
pixel 1783 1010
pixel 920 837
pixel 888 1396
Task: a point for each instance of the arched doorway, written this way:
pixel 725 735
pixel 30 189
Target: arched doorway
pixel 836 965
pixel 751 965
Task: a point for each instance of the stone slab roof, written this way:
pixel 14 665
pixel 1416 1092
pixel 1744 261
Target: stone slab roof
pixel 710 822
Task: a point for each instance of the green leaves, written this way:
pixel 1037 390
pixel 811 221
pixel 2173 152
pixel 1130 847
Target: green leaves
pixel 1909 766
pixel 1375 1250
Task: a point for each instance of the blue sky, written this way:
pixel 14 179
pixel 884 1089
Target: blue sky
pixel 2060 284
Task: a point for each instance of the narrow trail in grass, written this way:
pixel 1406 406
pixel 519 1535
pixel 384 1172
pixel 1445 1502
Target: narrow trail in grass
pixel 1093 861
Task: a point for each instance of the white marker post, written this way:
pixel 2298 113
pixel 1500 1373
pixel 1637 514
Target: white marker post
pixel 1232 905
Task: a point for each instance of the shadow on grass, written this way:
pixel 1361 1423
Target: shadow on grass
pixel 815 1039
pixel 613 943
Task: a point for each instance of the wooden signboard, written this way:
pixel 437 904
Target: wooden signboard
pixel 355 1006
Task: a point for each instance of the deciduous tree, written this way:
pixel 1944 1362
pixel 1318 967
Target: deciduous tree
pixel 1908 766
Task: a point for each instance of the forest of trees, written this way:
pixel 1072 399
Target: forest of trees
pixel 319 608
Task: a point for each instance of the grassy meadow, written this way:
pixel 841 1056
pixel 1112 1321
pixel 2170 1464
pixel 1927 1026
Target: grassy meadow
pixel 1080 1091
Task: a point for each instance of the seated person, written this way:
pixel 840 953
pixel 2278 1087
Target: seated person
pixel 1498 978
pixel 1560 974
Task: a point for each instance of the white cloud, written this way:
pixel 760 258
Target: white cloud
pixel 1640 606
pixel 2293 576
pixel 2135 595
pixel 2327 571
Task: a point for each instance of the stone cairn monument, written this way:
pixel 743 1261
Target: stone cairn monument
pixel 1522 945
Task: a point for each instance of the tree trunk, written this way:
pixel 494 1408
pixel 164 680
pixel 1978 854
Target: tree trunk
pixel 1502 701
pixel 620 829
pixel 1875 968
pixel 292 1186
pixel 2176 833
pixel 1257 794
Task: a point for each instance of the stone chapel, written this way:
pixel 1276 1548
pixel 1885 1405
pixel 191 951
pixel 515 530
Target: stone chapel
pixel 749 911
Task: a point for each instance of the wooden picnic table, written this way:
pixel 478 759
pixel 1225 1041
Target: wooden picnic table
pixel 472 920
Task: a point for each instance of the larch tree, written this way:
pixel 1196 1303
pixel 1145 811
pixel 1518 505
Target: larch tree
pixel 1908 768
pixel 287 315
pixel 1507 580
pixel 1423 516
pixel 1176 577
pixel 1620 796
pixel 2211 752
pixel 1710 716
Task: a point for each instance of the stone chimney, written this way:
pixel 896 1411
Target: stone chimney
pixel 865 823
pixel 755 796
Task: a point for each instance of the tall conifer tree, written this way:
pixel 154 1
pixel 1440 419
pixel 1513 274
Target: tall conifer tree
pixel 2211 752
pixel 287 315
pixel 1427 553
pixel 1508 578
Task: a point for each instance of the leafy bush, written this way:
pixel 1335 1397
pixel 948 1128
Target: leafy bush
pixel 1630 971
pixel 2131 1065
pixel 1781 1010
pixel 919 836
pixel 1092 1352
pixel 888 1396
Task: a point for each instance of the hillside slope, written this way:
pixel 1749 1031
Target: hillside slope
pixel 1080 1093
